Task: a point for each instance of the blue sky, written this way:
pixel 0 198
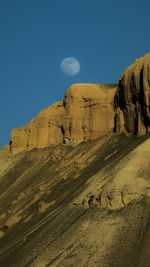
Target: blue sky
pixel 36 35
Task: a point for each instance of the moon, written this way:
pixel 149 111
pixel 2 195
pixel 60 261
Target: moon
pixel 70 66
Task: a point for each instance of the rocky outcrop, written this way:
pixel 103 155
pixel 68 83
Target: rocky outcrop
pixel 132 100
pixel 44 130
pixel 89 111
pixel 86 113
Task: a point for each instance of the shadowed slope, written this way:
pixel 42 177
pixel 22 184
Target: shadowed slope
pixel 51 214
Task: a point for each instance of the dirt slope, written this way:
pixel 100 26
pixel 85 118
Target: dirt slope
pixel 82 206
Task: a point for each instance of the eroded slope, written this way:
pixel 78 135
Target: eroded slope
pixel 52 213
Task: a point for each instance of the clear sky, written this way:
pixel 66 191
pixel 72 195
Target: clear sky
pixel 36 35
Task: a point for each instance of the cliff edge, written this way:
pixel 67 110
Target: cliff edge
pixel 90 111
pixel 133 97
pixel 86 113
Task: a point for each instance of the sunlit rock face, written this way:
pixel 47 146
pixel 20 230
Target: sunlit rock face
pixel 42 131
pixel 86 113
pixel 89 111
pixel 133 98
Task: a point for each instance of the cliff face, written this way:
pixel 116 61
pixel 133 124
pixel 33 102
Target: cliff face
pixel 133 98
pixel 86 113
pixel 89 111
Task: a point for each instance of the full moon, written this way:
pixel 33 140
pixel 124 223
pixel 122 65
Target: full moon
pixel 70 66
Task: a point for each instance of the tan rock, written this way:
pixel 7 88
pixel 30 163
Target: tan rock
pixel 133 97
pixel 116 199
pixel 105 200
pixel 44 206
pixel 12 220
pixel 86 113
pixel 89 111
pixel 20 139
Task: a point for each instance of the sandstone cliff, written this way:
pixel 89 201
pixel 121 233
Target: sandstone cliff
pixel 89 111
pixel 133 98
pixel 86 113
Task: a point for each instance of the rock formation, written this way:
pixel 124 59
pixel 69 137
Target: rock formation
pixel 84 205
pixel 86 113
pixel 89 111
pixel 133 98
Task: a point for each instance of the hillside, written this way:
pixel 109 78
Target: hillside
pixel 75 181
